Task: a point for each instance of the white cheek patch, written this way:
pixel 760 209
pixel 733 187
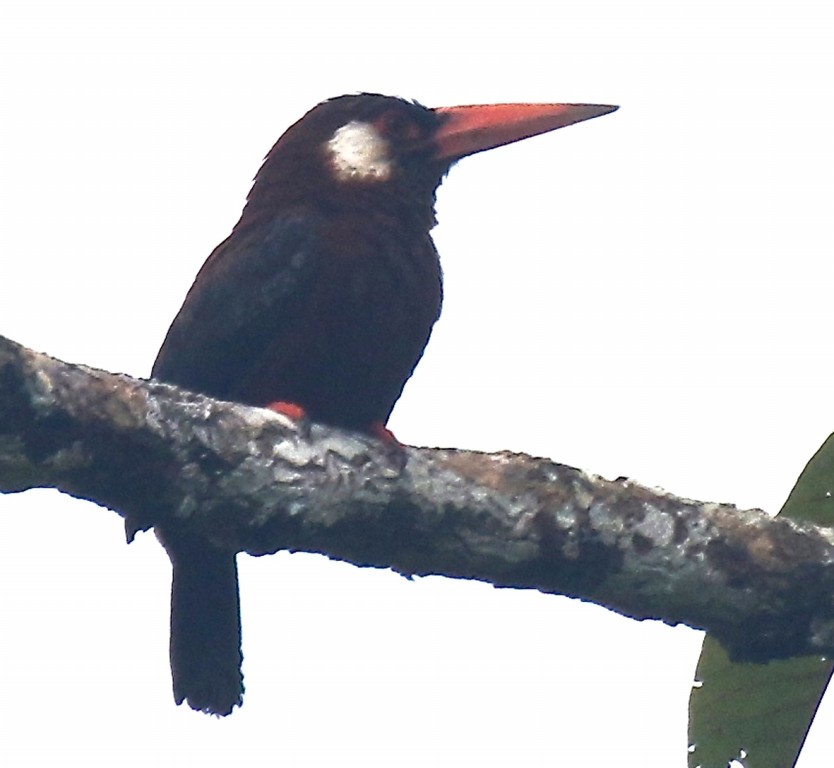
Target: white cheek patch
pixel 358 152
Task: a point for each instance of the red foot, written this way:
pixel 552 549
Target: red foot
pixel 381 432
pixel 290 410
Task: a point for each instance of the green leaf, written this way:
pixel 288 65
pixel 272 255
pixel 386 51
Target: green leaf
pixel 812 498
pixel 761 710
pixel 760 714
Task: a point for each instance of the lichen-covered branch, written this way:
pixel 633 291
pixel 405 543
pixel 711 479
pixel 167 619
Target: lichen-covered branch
pixel 249 480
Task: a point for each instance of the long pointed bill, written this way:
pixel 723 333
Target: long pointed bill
pixel 476 127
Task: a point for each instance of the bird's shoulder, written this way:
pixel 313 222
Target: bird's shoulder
pixel 247 285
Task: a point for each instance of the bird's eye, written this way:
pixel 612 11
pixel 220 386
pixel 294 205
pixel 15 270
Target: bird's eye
pixel 399 128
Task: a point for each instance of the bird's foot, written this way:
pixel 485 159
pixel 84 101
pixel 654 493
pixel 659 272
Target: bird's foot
pixel 381 432
pixel 294 412
pixel 394 449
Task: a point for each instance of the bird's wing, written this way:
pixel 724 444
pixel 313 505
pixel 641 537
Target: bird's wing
pixel 246 291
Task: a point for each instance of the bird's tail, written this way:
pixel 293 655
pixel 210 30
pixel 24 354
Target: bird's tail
pixel 205 625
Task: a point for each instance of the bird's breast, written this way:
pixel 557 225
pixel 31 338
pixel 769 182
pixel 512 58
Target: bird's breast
pixel 360 330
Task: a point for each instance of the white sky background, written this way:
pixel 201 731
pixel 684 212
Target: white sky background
pixel 647 294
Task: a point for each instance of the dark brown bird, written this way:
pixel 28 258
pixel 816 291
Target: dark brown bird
pixel 319 304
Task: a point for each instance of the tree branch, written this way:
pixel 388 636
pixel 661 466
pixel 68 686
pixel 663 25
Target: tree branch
pixel 249 480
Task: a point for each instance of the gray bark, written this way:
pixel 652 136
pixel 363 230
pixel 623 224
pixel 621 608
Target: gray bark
pixel 250 480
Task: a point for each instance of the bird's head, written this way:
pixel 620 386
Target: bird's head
pixel 371 150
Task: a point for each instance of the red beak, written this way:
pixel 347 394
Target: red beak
pixel 476 127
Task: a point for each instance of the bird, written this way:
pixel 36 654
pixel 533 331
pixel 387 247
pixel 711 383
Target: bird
pixel 318 305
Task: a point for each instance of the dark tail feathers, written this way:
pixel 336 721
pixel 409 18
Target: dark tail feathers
pixel 205 625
